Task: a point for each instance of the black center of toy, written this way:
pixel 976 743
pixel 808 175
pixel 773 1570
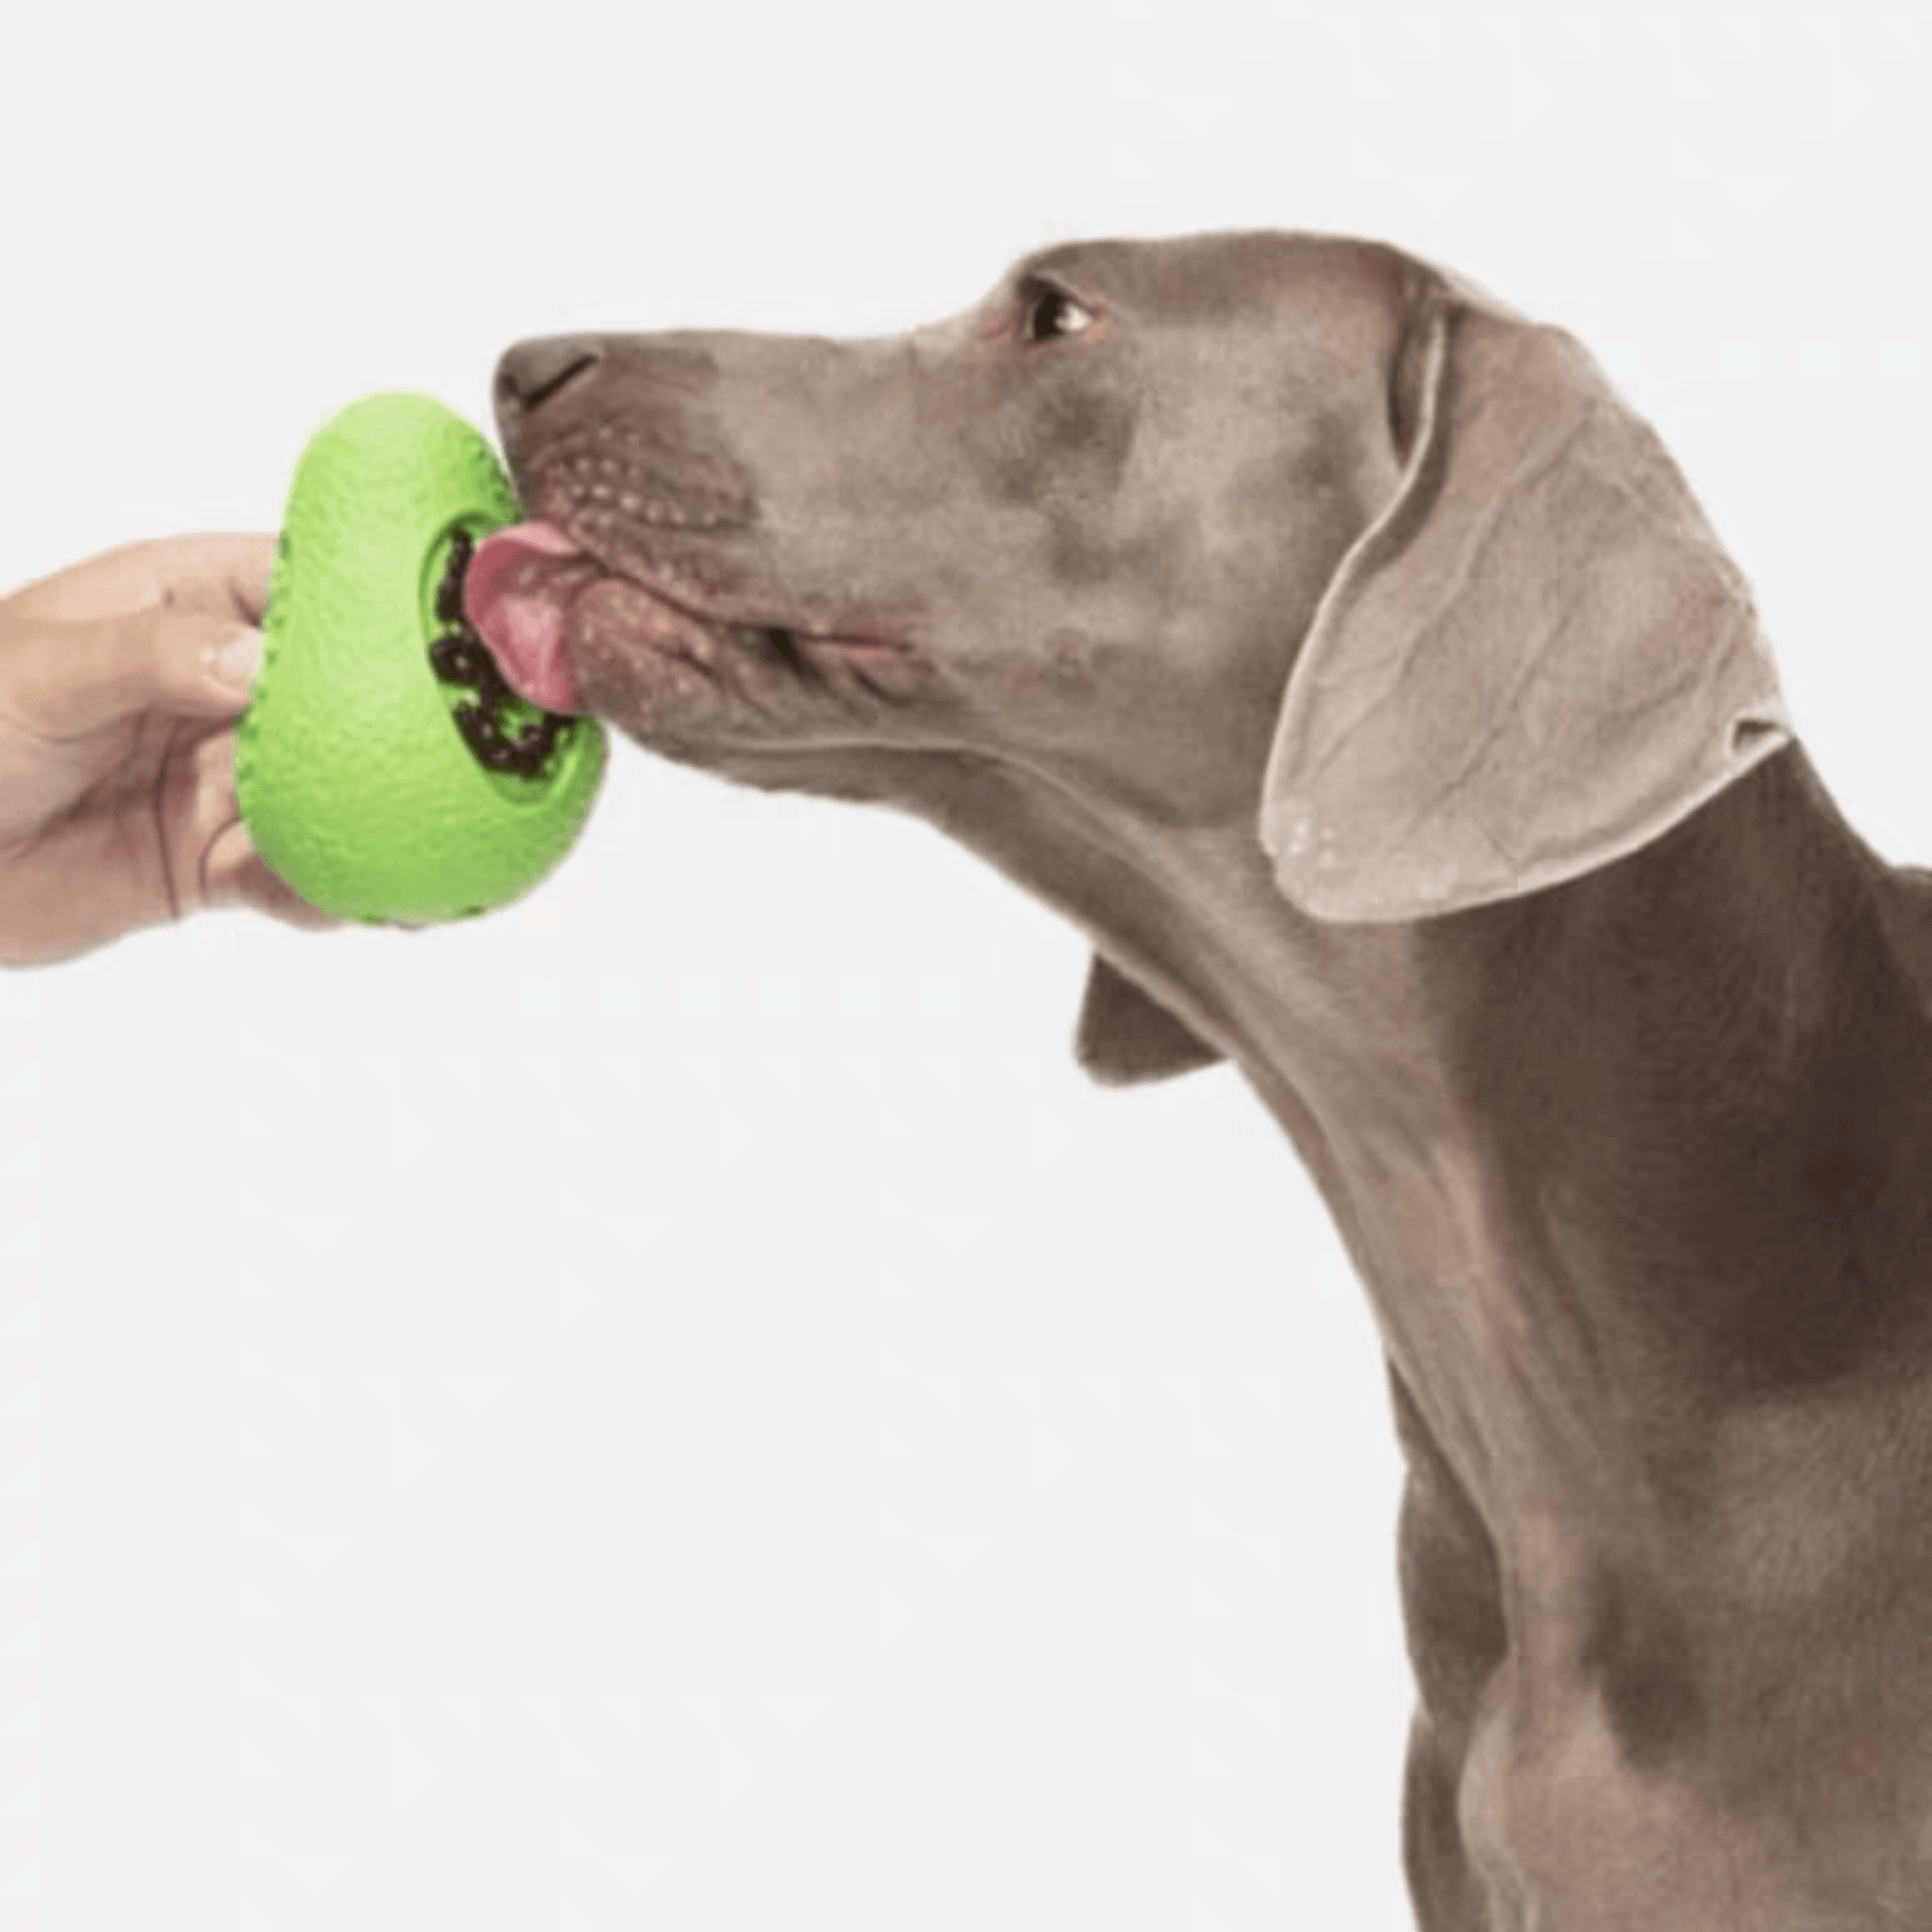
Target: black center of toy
pixel 460 656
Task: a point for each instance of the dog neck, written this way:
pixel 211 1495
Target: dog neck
pixel 1634 1171
pixel 1579 1143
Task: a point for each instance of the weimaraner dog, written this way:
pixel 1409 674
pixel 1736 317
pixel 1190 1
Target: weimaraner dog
pixel 1350 662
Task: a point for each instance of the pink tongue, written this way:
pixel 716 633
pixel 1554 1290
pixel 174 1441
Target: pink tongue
pixel 512 596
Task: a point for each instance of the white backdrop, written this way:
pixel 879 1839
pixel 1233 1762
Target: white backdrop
pixel 674 1405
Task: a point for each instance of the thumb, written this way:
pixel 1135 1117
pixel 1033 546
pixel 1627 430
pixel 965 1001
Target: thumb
pixel 79 678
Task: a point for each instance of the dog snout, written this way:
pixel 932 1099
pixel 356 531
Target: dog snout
pixel 529 373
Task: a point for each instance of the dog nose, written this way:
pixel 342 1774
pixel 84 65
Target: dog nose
pixel 531 372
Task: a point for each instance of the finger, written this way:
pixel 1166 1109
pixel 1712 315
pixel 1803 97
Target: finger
pixel 233 874
pixel 68 680
pixel 233 566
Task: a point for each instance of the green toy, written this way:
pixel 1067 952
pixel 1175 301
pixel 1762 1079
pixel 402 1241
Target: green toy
pixel 383 768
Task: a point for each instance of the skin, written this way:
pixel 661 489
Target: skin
pixel 1635 1170
pixel 117 806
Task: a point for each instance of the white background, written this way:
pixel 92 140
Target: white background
pixel 674 1405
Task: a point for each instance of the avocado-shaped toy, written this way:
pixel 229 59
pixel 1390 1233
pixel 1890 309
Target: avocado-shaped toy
pixel 383 767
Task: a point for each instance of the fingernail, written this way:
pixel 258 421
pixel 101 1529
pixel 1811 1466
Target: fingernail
pixel 235 663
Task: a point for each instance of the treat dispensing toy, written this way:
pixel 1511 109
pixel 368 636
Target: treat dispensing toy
pixel 383 767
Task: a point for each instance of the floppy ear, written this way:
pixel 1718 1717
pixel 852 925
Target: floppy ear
pixel 1535 661
pixel 1127 1037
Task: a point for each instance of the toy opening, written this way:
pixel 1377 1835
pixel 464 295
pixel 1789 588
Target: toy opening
pixel 504 732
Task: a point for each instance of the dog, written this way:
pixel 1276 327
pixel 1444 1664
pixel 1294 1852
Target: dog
pixel 1347 659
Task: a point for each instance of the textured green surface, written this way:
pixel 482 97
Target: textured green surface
pixel 354 780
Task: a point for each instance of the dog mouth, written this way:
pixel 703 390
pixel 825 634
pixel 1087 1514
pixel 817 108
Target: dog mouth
pixel 548 607
pixel 519 594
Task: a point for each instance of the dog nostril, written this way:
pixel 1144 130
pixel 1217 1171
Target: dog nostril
pixel 535 371
pixel 532 373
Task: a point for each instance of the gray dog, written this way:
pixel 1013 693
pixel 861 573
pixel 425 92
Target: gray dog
pixel 1344 656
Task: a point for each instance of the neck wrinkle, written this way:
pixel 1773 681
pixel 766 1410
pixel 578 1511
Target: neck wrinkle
pixel 1523 1117
pixel 1337 1030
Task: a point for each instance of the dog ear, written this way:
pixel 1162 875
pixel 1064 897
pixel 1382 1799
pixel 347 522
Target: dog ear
pixel 1125 1037
pixel 1536 660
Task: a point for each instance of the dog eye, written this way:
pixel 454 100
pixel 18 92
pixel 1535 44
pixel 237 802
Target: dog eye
pixel 1048 313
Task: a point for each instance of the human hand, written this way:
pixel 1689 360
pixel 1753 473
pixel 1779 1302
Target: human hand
pixel 117 804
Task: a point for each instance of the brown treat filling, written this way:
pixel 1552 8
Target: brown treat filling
pixel 460 656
